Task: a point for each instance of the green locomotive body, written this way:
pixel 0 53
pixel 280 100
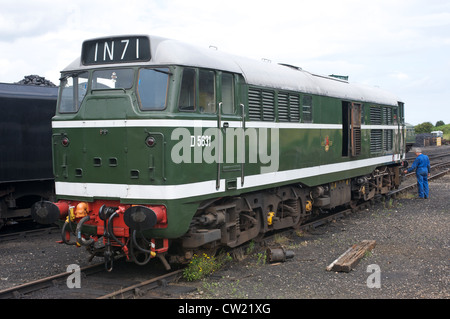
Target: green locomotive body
pixel 161 148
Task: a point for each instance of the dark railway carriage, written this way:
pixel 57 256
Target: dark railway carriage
pixel 162 148
pixel 410 137
pixel 25 147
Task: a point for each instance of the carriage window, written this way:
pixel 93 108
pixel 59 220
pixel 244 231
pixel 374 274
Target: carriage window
pixel 152 88
pixel 207 96
pixel 187 94
pixel 227 94
pixel 112 79
pixel 73 88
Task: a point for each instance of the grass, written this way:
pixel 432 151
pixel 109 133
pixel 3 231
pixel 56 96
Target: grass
pixel 204 265
pixel 406 196
pixel 201 266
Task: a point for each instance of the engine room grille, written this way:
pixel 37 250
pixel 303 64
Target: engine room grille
pixel 388 140
pixel 268 99
pixel 288 107
pixel 254 104
pixel 375 116
pixel 261 105
pixel 356 150
pixel 387 115
pixel 376 141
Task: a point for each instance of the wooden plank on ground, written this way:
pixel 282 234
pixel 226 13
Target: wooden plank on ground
pixel 348 260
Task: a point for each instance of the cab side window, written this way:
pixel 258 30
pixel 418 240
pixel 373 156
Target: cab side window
pixel 202 90
pixel 152 88
pixel 227 93
pixel 186 101
pixel 207 92
pixel 73 89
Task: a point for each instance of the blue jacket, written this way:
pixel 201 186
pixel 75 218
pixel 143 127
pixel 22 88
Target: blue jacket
pixel 421 163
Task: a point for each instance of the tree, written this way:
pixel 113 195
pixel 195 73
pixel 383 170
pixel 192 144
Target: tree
pixel 425 127
pixel 439 123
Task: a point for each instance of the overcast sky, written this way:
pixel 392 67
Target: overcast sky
pixel 402 46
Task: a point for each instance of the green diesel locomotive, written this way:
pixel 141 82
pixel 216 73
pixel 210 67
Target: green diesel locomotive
pixel 161 148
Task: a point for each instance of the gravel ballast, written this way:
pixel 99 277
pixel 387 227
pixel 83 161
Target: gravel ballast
pixel 411 252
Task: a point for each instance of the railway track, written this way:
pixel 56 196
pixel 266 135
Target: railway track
pixel 341 214
pixel 142 287
pixel 439 160
pixel 21 291
pixel 125 282
pixel 26 233
pixel 95 283
pixel 432 152
pixel 442 170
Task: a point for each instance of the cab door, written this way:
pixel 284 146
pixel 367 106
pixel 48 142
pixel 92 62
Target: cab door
pixel 351 129
pixel 231 127
pixel 355 128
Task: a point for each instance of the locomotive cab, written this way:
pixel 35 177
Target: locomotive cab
pixel 114 139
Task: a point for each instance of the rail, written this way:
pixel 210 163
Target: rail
pixel 142 287
pixel 18 292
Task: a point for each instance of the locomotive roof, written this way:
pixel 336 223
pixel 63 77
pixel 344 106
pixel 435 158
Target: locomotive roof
pixel 172 52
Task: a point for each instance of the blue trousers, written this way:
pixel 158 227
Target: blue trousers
pixel 422 182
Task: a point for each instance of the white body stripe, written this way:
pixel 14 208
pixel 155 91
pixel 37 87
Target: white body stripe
pixel 168 192
pixel 205 123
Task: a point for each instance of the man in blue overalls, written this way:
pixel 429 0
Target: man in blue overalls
pixel 422 167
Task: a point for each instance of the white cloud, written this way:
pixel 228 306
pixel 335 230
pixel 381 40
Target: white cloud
pixel 399 45
pixel 400 76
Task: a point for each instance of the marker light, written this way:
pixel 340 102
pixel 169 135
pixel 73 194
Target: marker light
pixel 65 141
pixel 150 141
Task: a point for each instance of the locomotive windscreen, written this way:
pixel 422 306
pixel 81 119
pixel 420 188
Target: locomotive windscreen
pixel 116 50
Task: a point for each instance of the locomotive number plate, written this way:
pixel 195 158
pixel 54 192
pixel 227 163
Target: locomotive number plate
pixel 116 50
